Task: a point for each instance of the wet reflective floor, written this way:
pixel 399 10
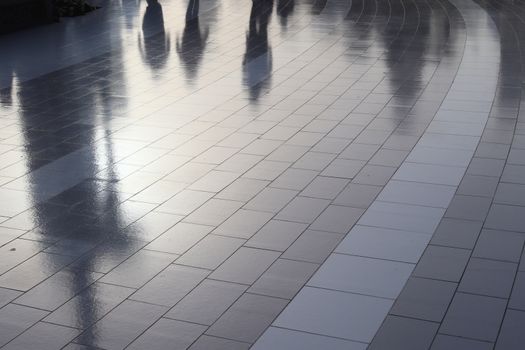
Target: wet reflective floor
pixel 288 174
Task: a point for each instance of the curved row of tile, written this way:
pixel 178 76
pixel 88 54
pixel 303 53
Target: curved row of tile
pixel 354 290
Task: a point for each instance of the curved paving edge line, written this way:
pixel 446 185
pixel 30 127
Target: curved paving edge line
pixel 350 295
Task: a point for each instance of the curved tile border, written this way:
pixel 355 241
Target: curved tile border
pixel 346 301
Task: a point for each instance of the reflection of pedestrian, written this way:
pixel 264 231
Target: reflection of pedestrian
pixel 193 42
pixel 257 62
pixel 154 43
pixel 284 9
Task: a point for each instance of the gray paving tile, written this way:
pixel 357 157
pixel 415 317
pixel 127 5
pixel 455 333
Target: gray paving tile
pixel 513 174
pixel 417 193
pixel 492 150
pixel 486 167
pixel 238 163
pixel 474 316
pixel 16 252
pixel 74 313
pixel 33 271
pixel 506 217
pixel 402 217
pixel 357 195
pixel 313 246
pixel 214 181
pixel 7 295
pixel 210 252
pixel 213 212
pixel 442 263
pixel 389 157
pixel 122 325
pixel 245 265
pixel 57 289
pixel 440 156
pixel 285 339
pixel 337 218
pixel 446 342
pixel 242 189
pixel 206 342
pixel 247 319
pixel 468 208
pixel 336 314
pixel 243 224
pixel 277 235
pixel 374 175
pixel 382 243
pixel 429 173
pixel 488 277
pixel 180 238
pixel 43 336
pixel 303 209
pixel 324 187
pixel 379 278
pixel 517 298
pixel 317 160
pixel 185 202
pixel 170 286
pixel 343 168
pixel 271 200
pixel 511 336
pixel 473 185
pixel 216 295
pixel 424 299
pixel 139 268
pixel 294 179
pixel 166 333
pixel 512 194
pixel 404 333
pixel 457 233
pixel 15 319
pixel 499 245
pixel 284 278
pixel 359 151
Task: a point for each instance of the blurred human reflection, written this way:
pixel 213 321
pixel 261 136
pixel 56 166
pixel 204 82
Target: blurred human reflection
pixel 193 42
pixel 284 10
pixel 257 62
pixel 154 42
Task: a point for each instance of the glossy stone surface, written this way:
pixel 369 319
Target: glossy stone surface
pixel 275 174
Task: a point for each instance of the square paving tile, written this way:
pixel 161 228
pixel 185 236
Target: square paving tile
pixel 368 276
pixel 474 316
pixel 424 299
pixel 277 235
pixel 442 263
pixel 210 252
pixel 243 224
pixel 381 243
pixel 336 314
pixel 284 278
pixel 404 333
pixel 337 218
pixel 488 277
pixel 313 246
pixel 286 339
pixel 216 295
pixel 248 318
pixel 245 265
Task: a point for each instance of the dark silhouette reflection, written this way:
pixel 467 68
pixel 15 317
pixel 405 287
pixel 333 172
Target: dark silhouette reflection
pixel 257 62
pixel 73 183
pixel 154 42
pixel 193 42
pixel 284 10
pixel 318 6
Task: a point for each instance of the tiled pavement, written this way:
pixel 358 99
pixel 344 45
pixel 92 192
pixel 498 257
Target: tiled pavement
pixel 304 174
